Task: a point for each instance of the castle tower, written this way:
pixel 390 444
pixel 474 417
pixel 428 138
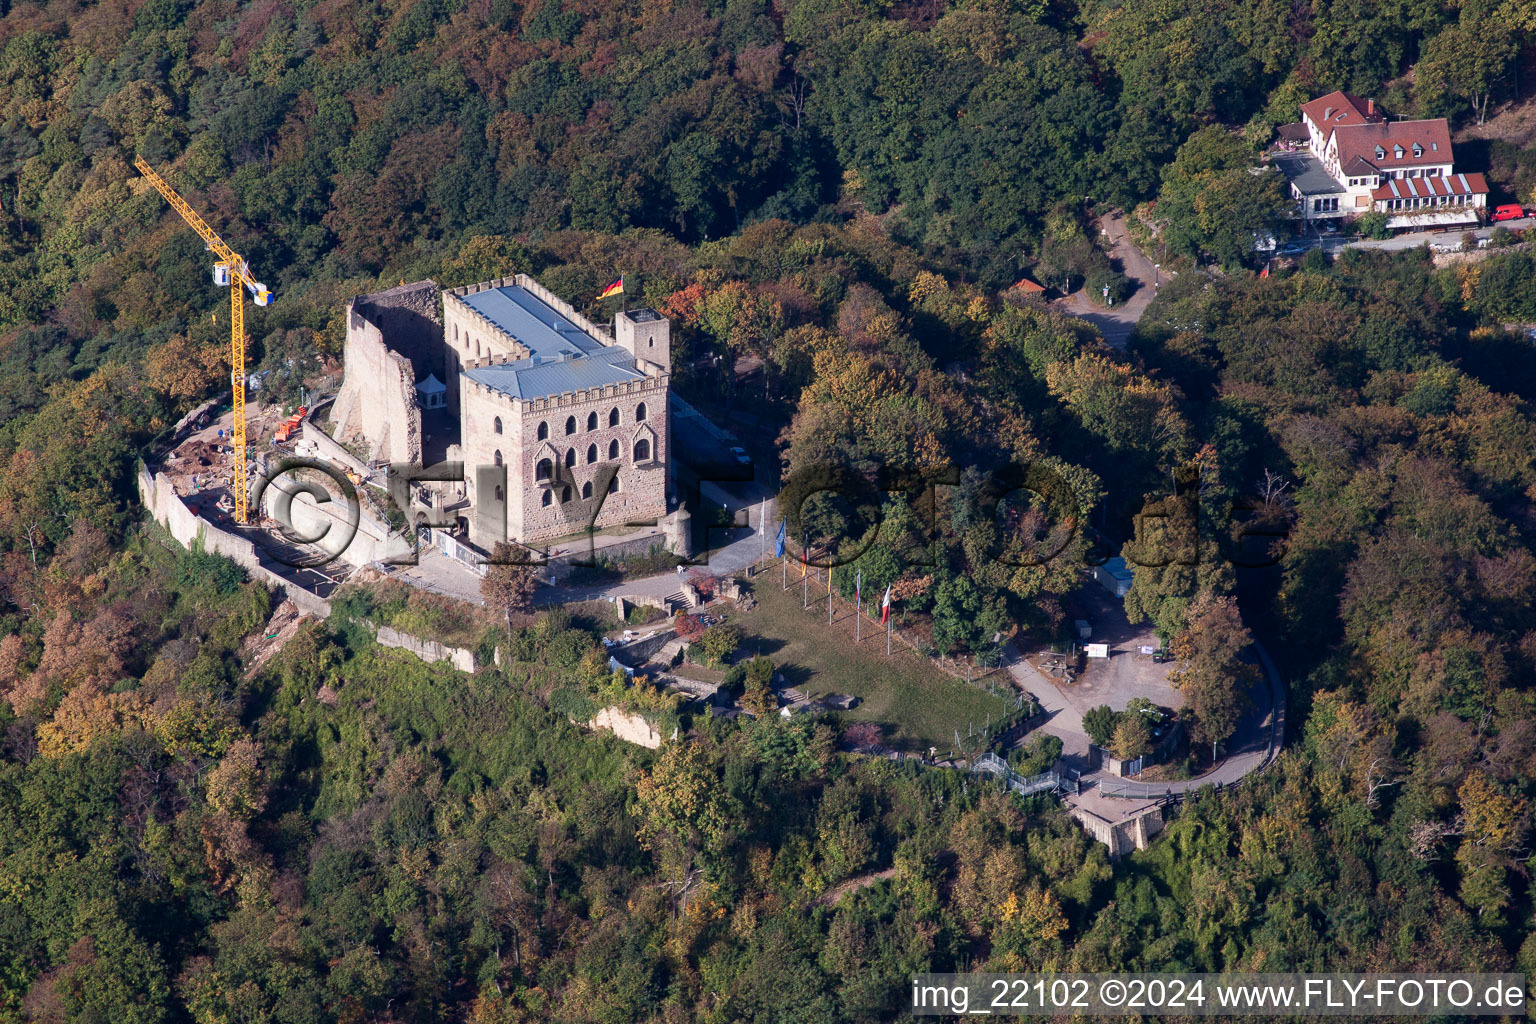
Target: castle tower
pixel 646 335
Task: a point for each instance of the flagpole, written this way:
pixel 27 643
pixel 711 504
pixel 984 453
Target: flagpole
pixel 829 595
pixel 888 624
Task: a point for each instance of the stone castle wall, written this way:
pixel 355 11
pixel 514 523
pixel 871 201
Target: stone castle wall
pixel 393 340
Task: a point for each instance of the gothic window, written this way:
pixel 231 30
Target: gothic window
pixel 640 413
pixel 642 450
pixel 544 470
pixel 498 456
pixel 547 498
pixel 543 431
pixel 570 457
pixel 565 495
pixel 613 485
pixel 586 489
pixel 613 449
pixel 613 417
pixel 570 425
pixel 591 454
pixel 591 421
pixel 496 426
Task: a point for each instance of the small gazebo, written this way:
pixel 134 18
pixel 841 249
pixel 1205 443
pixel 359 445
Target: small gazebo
pixel 431 393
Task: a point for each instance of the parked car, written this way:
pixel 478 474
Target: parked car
pixel 1509 211
pixel 741 456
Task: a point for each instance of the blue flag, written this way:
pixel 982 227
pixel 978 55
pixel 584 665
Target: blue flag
pixel 778 545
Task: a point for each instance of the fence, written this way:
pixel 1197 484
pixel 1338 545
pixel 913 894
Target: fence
pixel 1140 790
pixel 817 584
pixel 1056 780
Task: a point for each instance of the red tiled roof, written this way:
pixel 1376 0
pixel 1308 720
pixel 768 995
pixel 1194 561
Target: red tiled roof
pixel 1416 188
pixel 1358 167
pixel 1025 284
pixel 1337 109
pixel 1361 140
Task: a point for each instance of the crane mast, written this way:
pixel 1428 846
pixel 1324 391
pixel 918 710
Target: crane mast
pixel 233 272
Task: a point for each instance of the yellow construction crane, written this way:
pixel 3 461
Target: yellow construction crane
pixel 230 271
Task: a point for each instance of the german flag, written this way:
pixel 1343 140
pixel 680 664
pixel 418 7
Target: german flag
pixel 617 288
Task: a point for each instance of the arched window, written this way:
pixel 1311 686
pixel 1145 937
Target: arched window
pixel 543 431
pixel 613 417
pixel 570 425
pixel 499 495
pixel 613 449
pixel 498 456
pixel 477 348
pixel 613 485
pixel 565 495
pixel 544 470
pixel 591 454
pixel 570 457
pixel 455 332
pixel 640 413
pixel 642 450
pixel 591 421
pixel 586 489
pixel 547 498
pixel 496 426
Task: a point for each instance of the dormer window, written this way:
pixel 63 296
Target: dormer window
pixel 1418 150
pixel 1397 152
pixel 1380 153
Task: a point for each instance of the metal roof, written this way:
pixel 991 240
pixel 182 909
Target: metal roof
pixel 542 377
pixel 532 321
pixel 1117 568
pixel 1307 174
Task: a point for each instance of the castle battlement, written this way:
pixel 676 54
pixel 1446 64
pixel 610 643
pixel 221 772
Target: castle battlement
pixel 566 399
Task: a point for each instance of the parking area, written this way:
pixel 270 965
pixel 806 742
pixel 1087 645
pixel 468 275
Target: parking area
pixel 1126 673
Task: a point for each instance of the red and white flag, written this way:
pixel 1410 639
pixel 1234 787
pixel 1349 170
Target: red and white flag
pixel 885 606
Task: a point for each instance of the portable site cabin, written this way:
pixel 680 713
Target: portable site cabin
pixel 1114 576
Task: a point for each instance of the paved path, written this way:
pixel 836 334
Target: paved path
pixel 1257 741
pixel 743 546
pixel 1117 322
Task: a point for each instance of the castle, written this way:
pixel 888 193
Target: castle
pixel 562 425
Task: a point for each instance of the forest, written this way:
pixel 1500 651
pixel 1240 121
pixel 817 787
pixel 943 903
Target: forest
pixel 840 192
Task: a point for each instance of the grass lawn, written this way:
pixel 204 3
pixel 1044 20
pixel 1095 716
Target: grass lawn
pixel 917 705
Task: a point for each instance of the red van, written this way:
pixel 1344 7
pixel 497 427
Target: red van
pixel 1510 212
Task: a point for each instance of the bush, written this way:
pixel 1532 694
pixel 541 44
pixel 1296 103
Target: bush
pixel 1099 723
pixel 1374 225
pixel 717 643
pixel 1037 755
pixel 1100 278
pixel 640 614
pixel 1501 237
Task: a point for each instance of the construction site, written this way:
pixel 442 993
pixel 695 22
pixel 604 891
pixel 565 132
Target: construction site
pixel 563 429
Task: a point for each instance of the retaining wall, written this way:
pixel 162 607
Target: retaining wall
pixel 462 658
pixel 167 508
